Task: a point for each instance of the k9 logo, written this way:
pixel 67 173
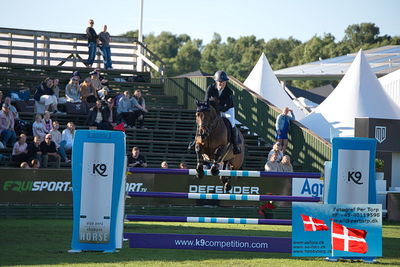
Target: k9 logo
pixel 100 169
pixel 354 176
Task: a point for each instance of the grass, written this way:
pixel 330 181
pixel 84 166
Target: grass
pixel 45 243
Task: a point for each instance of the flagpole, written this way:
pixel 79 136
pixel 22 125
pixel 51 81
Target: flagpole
pixel 332 238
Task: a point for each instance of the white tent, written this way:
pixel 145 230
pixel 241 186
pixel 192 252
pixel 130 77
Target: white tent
pixel 263 81
pixel 359 94
pixel 391 85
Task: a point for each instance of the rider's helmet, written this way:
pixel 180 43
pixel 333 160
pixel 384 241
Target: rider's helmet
pixel 220 76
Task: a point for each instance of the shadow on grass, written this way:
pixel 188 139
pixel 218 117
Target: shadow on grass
pixel 39 242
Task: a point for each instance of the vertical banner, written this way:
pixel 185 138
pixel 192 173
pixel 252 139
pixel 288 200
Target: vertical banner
pixel 98 178
pixel 352 178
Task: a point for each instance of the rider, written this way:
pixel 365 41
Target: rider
pixel 219 90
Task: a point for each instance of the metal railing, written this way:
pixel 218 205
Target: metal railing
pixel 70 50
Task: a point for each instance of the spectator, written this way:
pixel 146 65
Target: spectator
pixel 34 149
pixel 72 90
pixel 138 107
pixel 47 122
pixel 67 140
pixel 38 127
pixel 92 43
pixel 49 151
pixel 24 165
pixel 164 165
pixel 56 90
pixel 105 40
pixel 124 110
pixel 285 164
pixel 13 110
pixel 272 165
pixel 87 91
pixel 183 165
pixel 111 112
pixel 95 79
pixel 103 92
pixel 1 97
pixel 20 150
pixel 276 148
pixel 56 137
pixel 136 160
pixel 98 117
pixel 7 133
pixel 35 164
pixel 282 126
pixel 45 95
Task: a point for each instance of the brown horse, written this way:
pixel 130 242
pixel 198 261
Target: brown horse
pixel 212 143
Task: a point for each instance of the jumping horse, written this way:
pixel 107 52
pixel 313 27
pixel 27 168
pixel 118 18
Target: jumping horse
pixel 212 143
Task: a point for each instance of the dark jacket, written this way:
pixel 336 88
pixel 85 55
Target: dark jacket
pixel 225 100
pixel 93 114
pixel 42 89
pixel 91 35
pixel 106 113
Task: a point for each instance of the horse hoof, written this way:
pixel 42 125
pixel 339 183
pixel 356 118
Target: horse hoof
pixel 214 170
pixel 227 187
pixel 199 173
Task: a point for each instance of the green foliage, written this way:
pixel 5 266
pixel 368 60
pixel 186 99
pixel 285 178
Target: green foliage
pixel 238 56
pixel 379 164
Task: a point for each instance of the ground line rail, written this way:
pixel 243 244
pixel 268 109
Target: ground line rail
pixel 228 173
pixel 224 196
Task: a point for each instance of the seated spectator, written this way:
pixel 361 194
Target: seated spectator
pixel 56 90
pixel 87 91
pixel 38 127
pixel 47 122
pixel 35 164
pixel 24 165
pixel 7 132
pixel 183 165
pixel 67 140
pixel 124 110
pixel 72 90
pixel 103 92
pixel 136 160
pixel 44 95
pixel 98 117
pixel 138 107
pixel 276 149
pixel 49 151
pixel 56 137
pixel 18 124
pixel 20 150
pixel 272 165
pixel 164 165
pixel 285 164
pixel 111 112
pixel 34 149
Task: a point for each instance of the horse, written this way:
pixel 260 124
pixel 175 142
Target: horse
pixel 212 143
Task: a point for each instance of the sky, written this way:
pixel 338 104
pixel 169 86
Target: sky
pixel 266 19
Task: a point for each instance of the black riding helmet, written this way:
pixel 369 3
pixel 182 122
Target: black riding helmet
pixel 220 76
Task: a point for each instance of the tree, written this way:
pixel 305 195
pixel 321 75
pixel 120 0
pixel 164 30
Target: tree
pixel 360 34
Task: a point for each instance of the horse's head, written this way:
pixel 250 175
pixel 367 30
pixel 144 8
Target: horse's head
pixel 205 116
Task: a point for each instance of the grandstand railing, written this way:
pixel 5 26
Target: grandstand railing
pixel 305 147
pixel 70 49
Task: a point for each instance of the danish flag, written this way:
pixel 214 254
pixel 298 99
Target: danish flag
pixel 348 239
pixel 312 224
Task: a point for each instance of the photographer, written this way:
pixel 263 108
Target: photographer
pixel 136 160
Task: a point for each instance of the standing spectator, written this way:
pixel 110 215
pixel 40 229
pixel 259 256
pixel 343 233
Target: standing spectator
pixel 276 148
pixel 272 165
pixel 282 125
pixel 92 43
pixel 20 150
pixel 44 95
pixel 111 112
pixel 164 165
pixel 183 165
pixel 47 122
pixel 72 90
pixel 7 133
pixel 67 140
pixel 124 110
pixel 285 164
pixel 49 150
pixel 87 91
pixel 38 127
pixel 34 149
pixel 98 117
pixel 138 107
pixel 136 160
pixel 105 40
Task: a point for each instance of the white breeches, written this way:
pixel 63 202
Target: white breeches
pixel 230 115
pixel 48 100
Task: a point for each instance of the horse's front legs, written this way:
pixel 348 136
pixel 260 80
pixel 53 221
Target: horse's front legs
pixel 200 161
pixel 217 155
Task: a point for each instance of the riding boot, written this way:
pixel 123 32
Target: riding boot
pixel 234 141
